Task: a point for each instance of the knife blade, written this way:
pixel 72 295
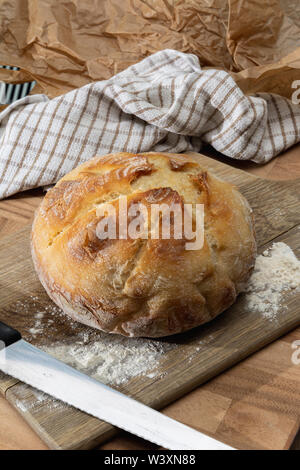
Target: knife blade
pixel 29 364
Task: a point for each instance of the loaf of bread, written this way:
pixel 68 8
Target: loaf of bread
pixel 142 286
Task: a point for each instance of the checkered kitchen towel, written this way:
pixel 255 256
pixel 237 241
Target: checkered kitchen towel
pixel 165 103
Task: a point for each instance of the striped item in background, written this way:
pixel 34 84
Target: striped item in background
pixel 165 103
pixel 10 93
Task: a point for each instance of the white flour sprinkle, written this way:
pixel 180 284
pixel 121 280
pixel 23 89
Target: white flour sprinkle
pixel 35 331
pixel 41 400
pixel 276 272
pixel 111 359
pixel 44 399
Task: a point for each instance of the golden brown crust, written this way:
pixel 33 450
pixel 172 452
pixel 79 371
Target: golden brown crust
pixel 142 287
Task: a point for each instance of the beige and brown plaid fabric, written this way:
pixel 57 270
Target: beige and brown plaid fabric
pixel 164 103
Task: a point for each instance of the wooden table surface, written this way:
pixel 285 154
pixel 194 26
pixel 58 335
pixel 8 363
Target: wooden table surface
pixel 194 408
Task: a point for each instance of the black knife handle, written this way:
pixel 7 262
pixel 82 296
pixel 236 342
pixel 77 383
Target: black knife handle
pixel 8 335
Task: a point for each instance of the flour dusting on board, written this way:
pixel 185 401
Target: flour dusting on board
pixel 41 399
pixel 276 272
pixel 111 359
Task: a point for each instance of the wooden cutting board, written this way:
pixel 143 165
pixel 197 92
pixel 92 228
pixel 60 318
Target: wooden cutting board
pixel 225 341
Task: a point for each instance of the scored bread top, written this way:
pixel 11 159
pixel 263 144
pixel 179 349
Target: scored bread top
pixel 142 287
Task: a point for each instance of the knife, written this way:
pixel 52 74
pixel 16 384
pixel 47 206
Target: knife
pixel 29 364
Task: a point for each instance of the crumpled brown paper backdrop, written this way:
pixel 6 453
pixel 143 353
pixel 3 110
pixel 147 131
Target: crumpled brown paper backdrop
pixel 64 44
